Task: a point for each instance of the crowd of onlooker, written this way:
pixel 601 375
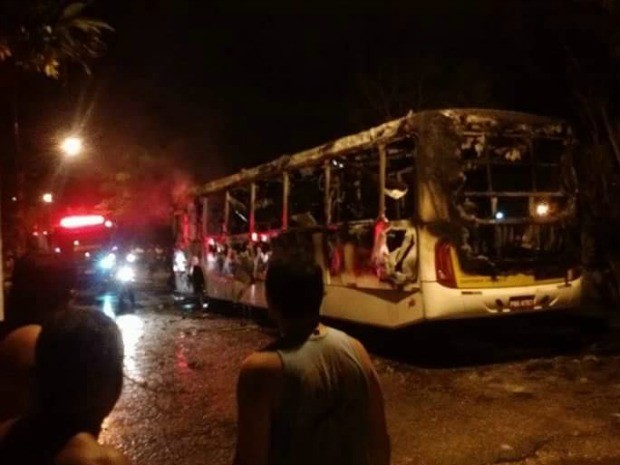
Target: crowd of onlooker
pixel 310 397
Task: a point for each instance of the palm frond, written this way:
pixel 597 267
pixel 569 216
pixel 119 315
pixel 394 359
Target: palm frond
pixel 51 34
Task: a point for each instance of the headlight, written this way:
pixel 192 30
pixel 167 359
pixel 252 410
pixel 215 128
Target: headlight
pixel 180 263
pixel 125 274
pixel 107 262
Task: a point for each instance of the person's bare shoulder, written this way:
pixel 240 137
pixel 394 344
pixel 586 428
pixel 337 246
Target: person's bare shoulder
pixel 364 357
pixel 261 364
pixel 260 376
pixel 83 449
pixel 359 349
pixel 5 427
pixel 17 348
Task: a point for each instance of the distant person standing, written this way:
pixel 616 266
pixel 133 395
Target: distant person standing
pixel 197 278
pixel 313 396
pixel 78 379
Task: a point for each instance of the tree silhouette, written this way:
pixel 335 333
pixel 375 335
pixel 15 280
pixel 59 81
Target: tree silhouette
pixel 43 37
pixel 46 36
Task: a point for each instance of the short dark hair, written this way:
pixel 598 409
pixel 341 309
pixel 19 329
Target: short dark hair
pixel 295 286
pixel 41 285
pixel 78 361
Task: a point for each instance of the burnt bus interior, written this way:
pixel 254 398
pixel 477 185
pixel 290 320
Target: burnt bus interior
pixel 515 201
pixel 268 207
pixel 496 185
pixel 353 193
pixel 346 212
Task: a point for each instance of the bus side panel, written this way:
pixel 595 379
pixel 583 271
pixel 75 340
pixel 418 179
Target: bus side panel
pixel 218 286
pixel 385 308
pixel 389 309
pixel 228 288
pixel 253 295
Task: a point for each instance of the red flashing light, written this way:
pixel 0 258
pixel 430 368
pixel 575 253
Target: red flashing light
pixel 80 221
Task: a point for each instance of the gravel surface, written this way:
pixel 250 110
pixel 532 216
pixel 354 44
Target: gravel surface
pixel 527 391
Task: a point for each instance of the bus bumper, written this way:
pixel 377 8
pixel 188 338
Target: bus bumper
pixel 445 303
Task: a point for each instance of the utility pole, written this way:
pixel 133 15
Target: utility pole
pixel 18 162
pixel 17 148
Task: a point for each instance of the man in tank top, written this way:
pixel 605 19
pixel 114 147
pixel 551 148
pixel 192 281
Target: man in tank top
pixel 313 396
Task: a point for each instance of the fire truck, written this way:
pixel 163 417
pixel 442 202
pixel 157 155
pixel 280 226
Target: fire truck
pixel 102 265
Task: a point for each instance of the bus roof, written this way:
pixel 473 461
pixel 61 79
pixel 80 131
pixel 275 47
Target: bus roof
pixel 462 118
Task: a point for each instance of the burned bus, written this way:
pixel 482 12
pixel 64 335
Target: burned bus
pixel 437 215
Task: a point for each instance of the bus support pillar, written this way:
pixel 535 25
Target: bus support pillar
pixel 285 191
pixel 382 169
pixel 226 213
pixel 252 207
pixel 327 199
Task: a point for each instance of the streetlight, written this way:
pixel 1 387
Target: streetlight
pixel 48 197
pixel 72 146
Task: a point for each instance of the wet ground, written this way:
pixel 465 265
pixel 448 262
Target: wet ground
pixel 525 391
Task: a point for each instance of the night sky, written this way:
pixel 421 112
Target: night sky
pixel 217 86
pixel 230 85
pixel 191 90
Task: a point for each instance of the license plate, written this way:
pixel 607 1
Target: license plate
pixel 521 303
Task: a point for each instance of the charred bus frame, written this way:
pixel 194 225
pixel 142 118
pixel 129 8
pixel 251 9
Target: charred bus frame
pixel 446 223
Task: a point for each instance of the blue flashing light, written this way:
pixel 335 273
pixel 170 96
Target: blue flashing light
pixel 107 262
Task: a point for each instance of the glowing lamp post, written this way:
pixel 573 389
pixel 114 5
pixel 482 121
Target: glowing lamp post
pixel 48 197
pixel 72 146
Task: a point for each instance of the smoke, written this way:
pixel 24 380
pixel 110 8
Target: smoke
pixel 139 200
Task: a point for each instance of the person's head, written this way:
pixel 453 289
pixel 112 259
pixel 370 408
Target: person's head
pixel 79 367
pixel 294 290
pixel 41 286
